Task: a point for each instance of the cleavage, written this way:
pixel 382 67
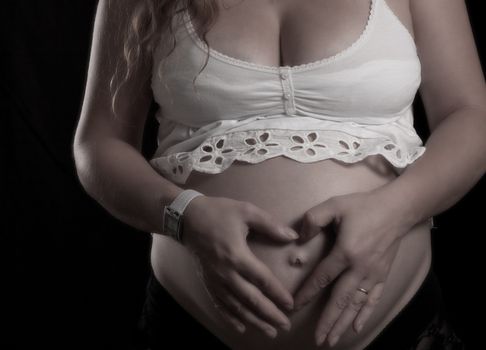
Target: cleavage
pixel 287 33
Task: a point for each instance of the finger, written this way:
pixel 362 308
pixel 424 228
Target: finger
pixel 315 219
pixel 326 272
pixel 228 315
pixel 243 312
pixel 373 299
pixel 255 271
pixel 341 296
pixel 266 224
pixel 349 314
pixel 257 302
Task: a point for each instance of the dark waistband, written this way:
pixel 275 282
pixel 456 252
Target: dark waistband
pixel 413 318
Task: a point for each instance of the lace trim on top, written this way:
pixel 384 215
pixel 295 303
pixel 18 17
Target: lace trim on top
pixel 301 67
pixel 218 152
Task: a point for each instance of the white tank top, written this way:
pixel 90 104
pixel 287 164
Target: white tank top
pixel 355 103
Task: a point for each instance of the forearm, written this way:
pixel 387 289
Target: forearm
pixel 454 162
pixel 118 177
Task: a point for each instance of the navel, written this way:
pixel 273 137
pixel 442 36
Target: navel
pixel 296 260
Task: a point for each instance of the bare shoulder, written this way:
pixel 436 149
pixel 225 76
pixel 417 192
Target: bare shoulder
pixel 452 77
pixel 97 119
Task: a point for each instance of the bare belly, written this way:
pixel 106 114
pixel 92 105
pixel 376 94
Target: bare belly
pixel 287 189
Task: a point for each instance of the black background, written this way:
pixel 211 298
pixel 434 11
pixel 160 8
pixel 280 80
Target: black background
pixel 79 274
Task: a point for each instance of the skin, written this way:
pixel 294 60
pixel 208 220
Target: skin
pixel 235 261
pixel 453 92
pixel 454 96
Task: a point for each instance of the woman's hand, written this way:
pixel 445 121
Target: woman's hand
pixel 241 286
pixel 368 233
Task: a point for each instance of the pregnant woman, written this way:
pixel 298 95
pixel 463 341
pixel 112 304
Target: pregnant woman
pixel 286 144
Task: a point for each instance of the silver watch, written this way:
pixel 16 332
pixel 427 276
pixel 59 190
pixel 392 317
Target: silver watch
pixel 172 221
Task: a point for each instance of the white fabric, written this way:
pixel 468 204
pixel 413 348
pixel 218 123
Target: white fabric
pixel 348 106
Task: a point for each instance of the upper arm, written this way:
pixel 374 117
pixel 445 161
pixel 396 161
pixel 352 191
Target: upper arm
pixel 97 119
pixel 452 77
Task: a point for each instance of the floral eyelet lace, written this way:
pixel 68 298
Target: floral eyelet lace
pixel 218 152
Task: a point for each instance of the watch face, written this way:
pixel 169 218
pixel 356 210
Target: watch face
pixel 171 222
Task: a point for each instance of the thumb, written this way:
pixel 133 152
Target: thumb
pixel 315 219
pixel 266 224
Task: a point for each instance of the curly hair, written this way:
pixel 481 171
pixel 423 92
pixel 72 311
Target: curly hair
pixel 149 20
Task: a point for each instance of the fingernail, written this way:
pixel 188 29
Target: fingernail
pixel 241 328
pixel 291 233
pixel 321 339
pixel 333 340
pixel 272 332
pixel 285 326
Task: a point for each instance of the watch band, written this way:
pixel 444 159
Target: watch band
pixel 173 218
pixel 182 200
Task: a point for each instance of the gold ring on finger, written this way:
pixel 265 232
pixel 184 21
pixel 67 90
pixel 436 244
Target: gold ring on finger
pixel 362 290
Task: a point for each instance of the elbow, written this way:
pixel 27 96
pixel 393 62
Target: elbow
pixel 83 155
pixel 80 151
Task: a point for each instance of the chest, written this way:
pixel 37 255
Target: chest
pixel 286 32
pixel 369 76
